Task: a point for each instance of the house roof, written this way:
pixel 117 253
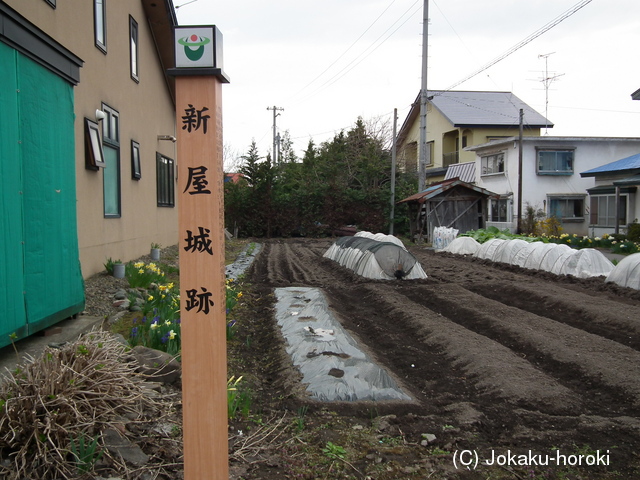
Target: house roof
pixel 486 109
pixel 619 166
pixel 161 16
pixel 233 177
pixel 548 139
pixel 441 187
pixel 477 109
pixel 634 180
pixel 464 171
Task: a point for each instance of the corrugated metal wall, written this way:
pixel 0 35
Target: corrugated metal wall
pixel 40 277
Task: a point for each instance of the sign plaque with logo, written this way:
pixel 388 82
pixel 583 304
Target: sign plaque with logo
pixel 199 76
pixel 198 47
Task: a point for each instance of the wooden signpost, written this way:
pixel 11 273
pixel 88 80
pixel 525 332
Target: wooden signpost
pixel 199 78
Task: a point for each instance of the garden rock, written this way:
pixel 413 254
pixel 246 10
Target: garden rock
pixel 120 295
pixel 159 365
pixel 427 438
pixel 119 445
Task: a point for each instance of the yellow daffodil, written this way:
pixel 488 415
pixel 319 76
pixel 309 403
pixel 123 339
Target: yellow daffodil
pixel 154 326
pixel 172 335
pixel 141 271
pixel 149 298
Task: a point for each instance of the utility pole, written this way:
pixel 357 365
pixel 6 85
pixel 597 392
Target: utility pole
pixel 424 152
pixel 520 152
pixel 393 171
pixel 275 132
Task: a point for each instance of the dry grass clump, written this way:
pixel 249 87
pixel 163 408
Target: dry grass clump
pixel 54 408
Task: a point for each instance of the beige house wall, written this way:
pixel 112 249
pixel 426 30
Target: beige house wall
pixel 146 110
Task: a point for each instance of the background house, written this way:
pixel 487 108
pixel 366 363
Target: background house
pixel 614 201
pixel 79 187
pixel 551 179
pixel 460 119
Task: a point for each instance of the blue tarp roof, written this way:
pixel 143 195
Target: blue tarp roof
pixel 629 163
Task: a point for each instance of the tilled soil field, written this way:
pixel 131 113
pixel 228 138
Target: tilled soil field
pixel 503 364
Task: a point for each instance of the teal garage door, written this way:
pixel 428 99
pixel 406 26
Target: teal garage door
pixel 39 264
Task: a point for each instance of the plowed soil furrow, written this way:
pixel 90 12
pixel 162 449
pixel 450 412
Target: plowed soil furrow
pixel 594 314
pixel 512 358
pixel 598 366
pixel 495 370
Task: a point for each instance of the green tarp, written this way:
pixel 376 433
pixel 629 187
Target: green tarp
pixel 40 277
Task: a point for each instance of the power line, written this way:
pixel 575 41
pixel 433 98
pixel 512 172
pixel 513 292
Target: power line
pixel 524 42
pixel 352 65
pixel 346 51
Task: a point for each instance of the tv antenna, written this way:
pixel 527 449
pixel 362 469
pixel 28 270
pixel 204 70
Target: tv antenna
pixel 547 81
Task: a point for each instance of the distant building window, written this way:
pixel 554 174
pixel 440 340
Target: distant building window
pixel 603 210
pixel 499 210
pixel 165 181
pixel 100 24
pixel 567 208
pixel 133 48
pixel 492 164
pixel 111 171
pixel 555 162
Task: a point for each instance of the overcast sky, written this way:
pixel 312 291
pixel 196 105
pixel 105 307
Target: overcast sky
pixel 327 63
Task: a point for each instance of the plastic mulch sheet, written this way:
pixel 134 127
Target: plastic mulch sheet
pixel 332 365
pixel 243 262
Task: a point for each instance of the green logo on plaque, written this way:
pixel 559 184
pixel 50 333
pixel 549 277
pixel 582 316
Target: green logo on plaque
pixel 194 46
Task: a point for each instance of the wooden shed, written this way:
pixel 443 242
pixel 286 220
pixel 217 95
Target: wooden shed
pixel 450 203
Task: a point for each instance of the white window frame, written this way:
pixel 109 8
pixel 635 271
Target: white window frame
pixel 567 199
pixel 556 170
pixel 490 164
pixel 610 220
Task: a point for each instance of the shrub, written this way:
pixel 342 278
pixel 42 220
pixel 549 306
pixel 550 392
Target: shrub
pixel 633 232
pixel 45 407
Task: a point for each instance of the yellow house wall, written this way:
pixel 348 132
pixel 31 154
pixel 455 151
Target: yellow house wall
pixel 146 110
pixel 438 126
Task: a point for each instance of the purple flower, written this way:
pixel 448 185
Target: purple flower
pixel 134 331
pixel 144 319
pixel 165 338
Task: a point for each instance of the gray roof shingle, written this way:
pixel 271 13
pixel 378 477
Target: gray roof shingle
pixel 465 108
